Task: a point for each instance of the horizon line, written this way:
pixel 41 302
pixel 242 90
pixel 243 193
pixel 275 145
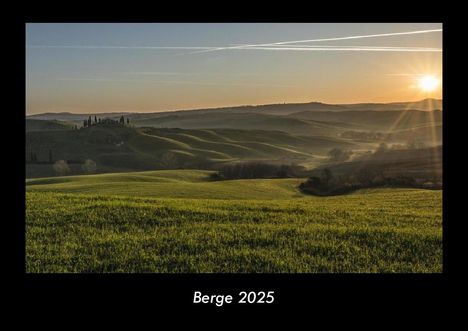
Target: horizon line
pixel 234 106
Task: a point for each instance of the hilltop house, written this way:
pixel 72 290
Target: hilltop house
pixel 109 121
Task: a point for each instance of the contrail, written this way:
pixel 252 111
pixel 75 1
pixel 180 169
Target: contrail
pixel 255 47
pixel 323 39
pixel 340 48
pixel 118 47
pixel 353 46
pixel 284 45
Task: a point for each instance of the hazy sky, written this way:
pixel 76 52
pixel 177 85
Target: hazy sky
pixel 86 68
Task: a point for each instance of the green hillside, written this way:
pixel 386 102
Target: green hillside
pixel 310 119
pixel 47 125
pixel 376 120
pixel 116 148
pixel 425 163
pixel 193 184
pixel 385 230
pixel 244 121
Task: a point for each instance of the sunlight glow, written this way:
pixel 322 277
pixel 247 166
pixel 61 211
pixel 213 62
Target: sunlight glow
pixel 428 83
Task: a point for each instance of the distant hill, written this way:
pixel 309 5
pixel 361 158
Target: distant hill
pixel 310 119
pixel 244 121
pixel 71 117
pixel 418 163
pixel 421 168
pixel 289 108
pixel 375 120
pixel 121 148
pixel 274 109
pixel 47 125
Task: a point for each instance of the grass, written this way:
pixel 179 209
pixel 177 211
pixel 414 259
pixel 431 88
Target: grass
pixel 169 184
pixel 178 221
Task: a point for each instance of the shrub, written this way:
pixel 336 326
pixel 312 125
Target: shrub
pixel 249 170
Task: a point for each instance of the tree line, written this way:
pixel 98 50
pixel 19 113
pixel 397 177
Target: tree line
pixel 382 168
pixel 89 122
pixel 32 158
pixel 250 170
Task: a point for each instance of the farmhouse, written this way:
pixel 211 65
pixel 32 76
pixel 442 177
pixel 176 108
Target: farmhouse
pixel 109 121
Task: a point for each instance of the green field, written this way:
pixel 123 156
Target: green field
pixel 180 221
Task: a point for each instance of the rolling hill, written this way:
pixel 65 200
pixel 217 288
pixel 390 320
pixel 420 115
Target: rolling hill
pixel 245 121
pixel 194 184
pixel 272 109
pixel 305 119
pixel 47 125
pixel 419 165
pixel 179 221
pixel 387 120
pixel 205 138
pixel 122 148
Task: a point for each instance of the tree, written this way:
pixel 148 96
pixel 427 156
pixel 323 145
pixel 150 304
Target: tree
pixel 95 119
pixel 128 120
pixel 122 120
pixel 339 155
pixel 414 143
pixel 383 147
pixel 99 120
pixel 89 121
pixel 327 175
pixel 85 123
pixel 61 167
pixel 89 166
pixel 314 182
pixel 168 160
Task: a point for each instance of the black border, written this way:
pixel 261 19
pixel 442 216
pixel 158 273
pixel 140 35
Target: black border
pixel 323 291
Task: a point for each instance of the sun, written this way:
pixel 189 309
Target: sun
pixel 428 83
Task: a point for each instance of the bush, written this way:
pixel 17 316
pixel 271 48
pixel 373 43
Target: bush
pixel 61 167
pixel 339 155
pixel 89 166
pixel 250 170
pixel 328 184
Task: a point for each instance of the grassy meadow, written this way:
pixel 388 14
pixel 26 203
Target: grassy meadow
pixel 180 221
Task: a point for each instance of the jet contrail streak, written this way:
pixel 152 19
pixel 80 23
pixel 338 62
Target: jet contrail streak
pixel 324 39
pixel 348 46
pixel 284 45
pixel 117 47
pixel 366 49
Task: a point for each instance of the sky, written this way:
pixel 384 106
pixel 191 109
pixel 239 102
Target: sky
pixel 91 68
